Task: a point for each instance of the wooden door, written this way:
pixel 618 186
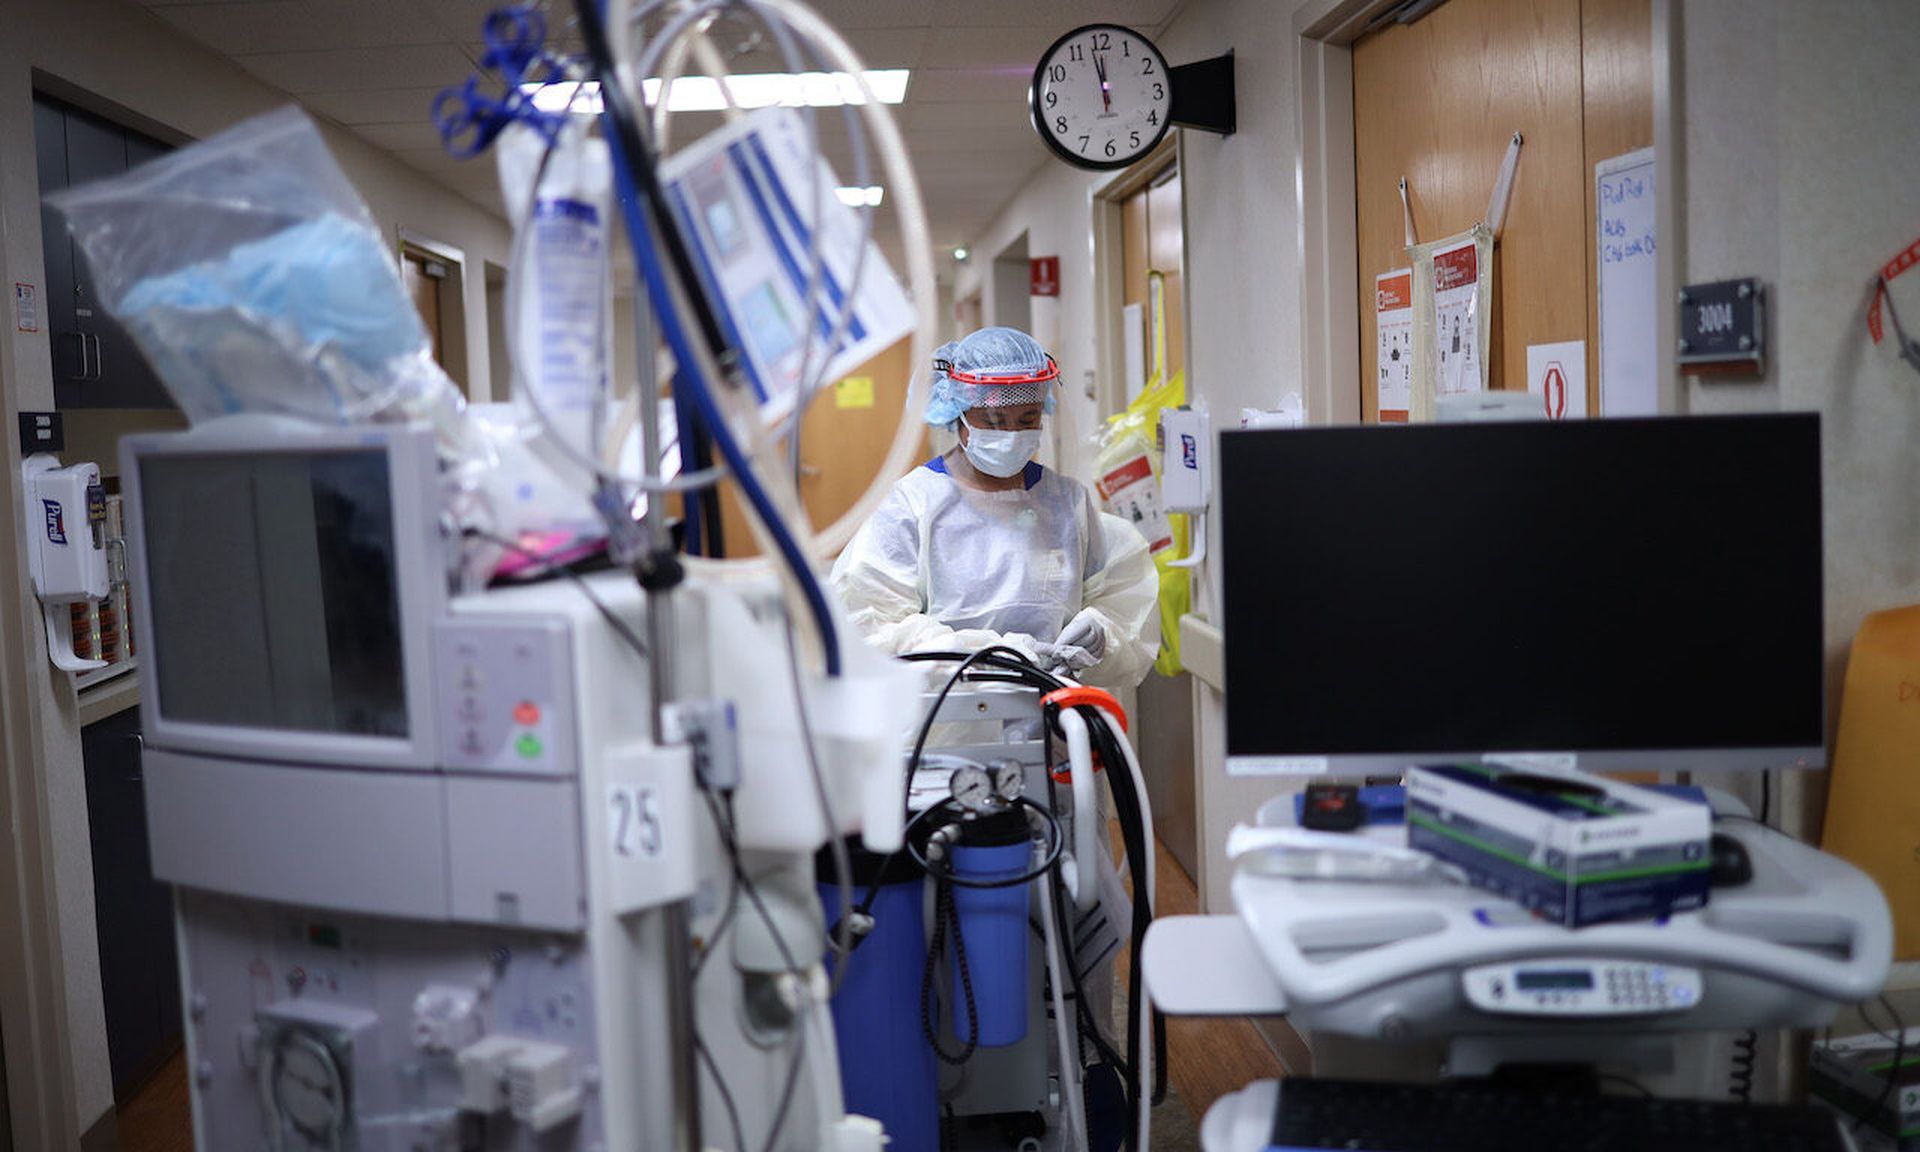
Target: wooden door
pixel 423 287
pixel 1436 101
pixel 843 442
pixel 1151 246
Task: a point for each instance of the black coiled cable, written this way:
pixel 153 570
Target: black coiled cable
pixel 945 918
pixel 1746 1056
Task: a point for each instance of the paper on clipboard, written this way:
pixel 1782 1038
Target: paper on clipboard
pixel 1457 319
pixel 1393 313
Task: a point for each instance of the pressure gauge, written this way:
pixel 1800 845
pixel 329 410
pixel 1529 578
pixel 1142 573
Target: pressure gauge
pixel 1101 96
pixel 1009 782
pixel 972 788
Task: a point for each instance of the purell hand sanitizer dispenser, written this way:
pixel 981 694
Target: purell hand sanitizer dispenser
pixel 66 549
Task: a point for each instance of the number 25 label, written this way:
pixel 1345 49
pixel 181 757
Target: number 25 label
pixel 633 816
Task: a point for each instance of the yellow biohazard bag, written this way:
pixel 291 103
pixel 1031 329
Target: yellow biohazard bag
pixel 1127 476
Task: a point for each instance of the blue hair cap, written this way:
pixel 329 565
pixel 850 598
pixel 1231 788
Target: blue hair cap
pixel 980 358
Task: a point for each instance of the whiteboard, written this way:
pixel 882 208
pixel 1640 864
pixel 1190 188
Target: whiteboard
pixel 1625 247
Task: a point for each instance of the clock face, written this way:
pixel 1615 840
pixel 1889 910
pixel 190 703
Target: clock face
pixel 1101 96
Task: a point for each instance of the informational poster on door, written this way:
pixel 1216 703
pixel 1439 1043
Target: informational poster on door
pixel 1393 314
pixel 1457 318
pixel 1557 377
pixel 1132 492
pixel 26 308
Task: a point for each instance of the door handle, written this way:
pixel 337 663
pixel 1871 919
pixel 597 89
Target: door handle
pixel 99 361
pixel 82 338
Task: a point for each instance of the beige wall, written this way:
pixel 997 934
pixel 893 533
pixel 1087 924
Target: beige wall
pixel 120 54
pixel 1802 167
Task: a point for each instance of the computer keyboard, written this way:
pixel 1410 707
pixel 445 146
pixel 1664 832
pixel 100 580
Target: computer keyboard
pixel 1376 1117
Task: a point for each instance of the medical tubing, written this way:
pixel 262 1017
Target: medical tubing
pixel 720 1085
pixel 943 919
pixel 1071 1066
pixel 1138 1087
pixel 630 156
pixel 1086 831
pixel 1126 805
pixel 993 652
pixel 1088 1026
pixel 642 237
pixel 1139 777
pixel 604 471
pixel 1899 1037
pixel 1140 1048
pixel 1145 1063
pixel 842 939
pixel 1055 842
pixel 911 212
pixel 1144 1067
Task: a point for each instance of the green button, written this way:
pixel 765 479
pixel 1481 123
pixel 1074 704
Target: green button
pixel 528 746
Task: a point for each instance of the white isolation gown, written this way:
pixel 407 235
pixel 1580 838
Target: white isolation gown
pixel 943 567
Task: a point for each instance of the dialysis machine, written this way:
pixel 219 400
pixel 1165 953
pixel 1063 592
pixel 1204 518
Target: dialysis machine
pixel 437 867
pixel 430 850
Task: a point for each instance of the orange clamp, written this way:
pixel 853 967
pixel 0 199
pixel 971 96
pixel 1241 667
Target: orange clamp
pixel 1078 695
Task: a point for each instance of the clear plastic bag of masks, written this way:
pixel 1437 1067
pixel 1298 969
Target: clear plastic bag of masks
pixel 254 280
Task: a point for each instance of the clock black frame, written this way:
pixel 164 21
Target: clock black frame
pixel 1039 119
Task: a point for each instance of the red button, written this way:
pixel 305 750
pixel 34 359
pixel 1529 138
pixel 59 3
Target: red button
pixel 526 713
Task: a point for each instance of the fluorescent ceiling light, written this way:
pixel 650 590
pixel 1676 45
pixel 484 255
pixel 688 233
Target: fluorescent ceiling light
pixel 750 90
pixel 558 96
pixel 854 197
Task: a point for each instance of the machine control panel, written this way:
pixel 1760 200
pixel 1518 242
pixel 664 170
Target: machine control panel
pixel 1582 987
pixel 504 698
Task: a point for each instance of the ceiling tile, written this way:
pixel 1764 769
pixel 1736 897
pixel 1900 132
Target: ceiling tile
pixel 348 69
pixel 961 119
pixel 302 25
pixel 374 106
pixel 1058 15
pixel 854 14
pixel 1007 47
pixel 888 47
pixel 970 85
pixel 977 145
pixel 463 19
pixel 416 137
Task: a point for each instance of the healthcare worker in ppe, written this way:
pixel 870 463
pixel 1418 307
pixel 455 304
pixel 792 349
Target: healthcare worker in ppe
pixel 982 545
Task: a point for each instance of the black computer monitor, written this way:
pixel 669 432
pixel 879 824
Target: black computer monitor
pixel 1641 594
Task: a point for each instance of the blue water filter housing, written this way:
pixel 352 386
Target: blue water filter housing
pixel 993 926
pixel 887 1069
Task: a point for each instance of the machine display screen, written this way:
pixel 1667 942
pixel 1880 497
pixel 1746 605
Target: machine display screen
pixel 273 590
pixel 1566 980
pixel 1633 587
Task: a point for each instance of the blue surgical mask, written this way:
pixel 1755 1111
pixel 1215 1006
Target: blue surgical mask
pixel 1001 453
